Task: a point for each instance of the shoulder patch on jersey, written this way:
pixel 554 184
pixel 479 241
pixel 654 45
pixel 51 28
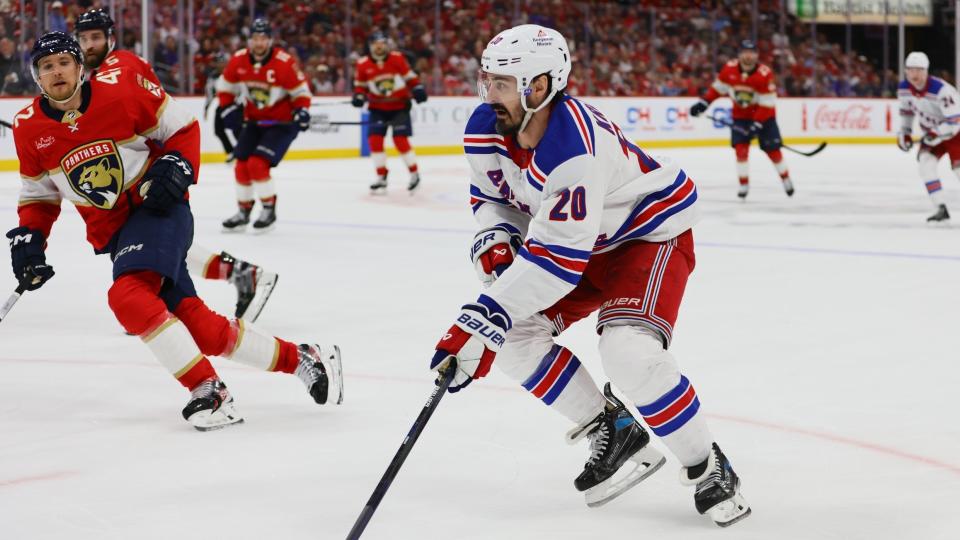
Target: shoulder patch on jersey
pixel 283 55
pixel 763 70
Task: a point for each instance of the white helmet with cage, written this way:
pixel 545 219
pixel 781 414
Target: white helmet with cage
pixel 525 52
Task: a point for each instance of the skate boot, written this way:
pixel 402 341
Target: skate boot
pixel 743 190
pixel 380 186
pixel 211 406
pixel 266 220
pixel 718 489
pixel 254 287
pixel 615 438
pixel 788 187
pixel 940 215
pixel 320 371
pixel 414 182
pixel 237 222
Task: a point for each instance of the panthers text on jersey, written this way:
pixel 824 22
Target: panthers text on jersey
pixel 584 189
pixel 387 83
pixel 754 93
pixel 936 106
pixel 95 156
pixel 272 88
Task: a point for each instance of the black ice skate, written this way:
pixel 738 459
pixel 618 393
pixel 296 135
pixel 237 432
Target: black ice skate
pixel 743 190
pixel 254 287
pixel 788 187
pixel 266 220
pixel 211 406
pixel 940 215
pixel 320 371
pixel 718 489
pixel 414 182
pixel 615 438
pixel 380 186
pixel 237 222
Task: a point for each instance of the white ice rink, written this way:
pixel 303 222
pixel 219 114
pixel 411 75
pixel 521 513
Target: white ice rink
pixel 822 333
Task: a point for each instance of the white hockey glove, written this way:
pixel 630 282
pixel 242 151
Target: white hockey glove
pixel 493 251
pixel 904 141
pixel 932 138
pixel 474 340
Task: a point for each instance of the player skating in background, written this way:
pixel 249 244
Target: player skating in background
pixel 750 86
pixel 277 103
pixel 94 32
pixel 95 144
pixel 937 104
pixel 384 81
pixel 574 218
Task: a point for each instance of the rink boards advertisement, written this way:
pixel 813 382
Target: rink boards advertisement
pixel 651 121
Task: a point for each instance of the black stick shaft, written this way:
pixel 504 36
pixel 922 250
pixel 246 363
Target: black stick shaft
pixel 6 124
pixel 401 455
pixel 743 131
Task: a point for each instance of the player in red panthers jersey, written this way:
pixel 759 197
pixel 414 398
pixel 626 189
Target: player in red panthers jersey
pixel 751 87
pixel 92 143
pixel 94 31
pixel 386 83
pixel 277 109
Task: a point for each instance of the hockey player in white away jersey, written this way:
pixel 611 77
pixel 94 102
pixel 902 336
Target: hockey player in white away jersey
pixel 937 104
pixel 575 218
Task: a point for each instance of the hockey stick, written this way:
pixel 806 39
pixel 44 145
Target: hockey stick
pixel 743 131
pixel 421 422
pixel 270 123
pixel 8 305
pixel 332 103
pixel 6 124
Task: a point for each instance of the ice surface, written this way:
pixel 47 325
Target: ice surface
pixel 820 331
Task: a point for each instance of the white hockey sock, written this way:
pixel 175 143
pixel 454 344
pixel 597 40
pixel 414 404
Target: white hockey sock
pixel 173 346
pixel 254 348
pixel 244 193
pixel 199 259
pixel 410 158
pixel 743 169
pixel 379 159
pixel 561 382
pixel 266 189
pixel 782 168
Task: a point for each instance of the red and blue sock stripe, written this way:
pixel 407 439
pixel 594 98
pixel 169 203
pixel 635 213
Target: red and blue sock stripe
pixel 672 410
pixel 553 374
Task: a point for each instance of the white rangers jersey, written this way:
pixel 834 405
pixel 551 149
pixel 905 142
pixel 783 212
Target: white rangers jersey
pixel 584 189
pixel 937 106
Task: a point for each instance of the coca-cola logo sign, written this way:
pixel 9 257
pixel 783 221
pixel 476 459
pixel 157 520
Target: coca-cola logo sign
pixel 849 117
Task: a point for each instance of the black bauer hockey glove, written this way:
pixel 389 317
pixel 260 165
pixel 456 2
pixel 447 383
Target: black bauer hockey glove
pixel 166 182
pixel 29 261
pixel 698 108
pixel 231 116
pixel 419 93
pixel 358 100
pixel 301 117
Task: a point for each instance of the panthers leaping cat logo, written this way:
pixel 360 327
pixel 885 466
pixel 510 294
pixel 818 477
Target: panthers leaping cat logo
pixel 95 172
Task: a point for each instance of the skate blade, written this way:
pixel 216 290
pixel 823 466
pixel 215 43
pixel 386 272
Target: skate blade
pixel 264 289
pixel 225 416
pixel 729 511
pixel 336 375
pixel 378 191
pixel 234 230
pixel 645 462
pixel 264 230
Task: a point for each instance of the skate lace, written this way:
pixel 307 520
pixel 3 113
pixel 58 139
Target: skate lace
pixel 206 389
pixel 599 440
pixel 308 369
pixel 714 479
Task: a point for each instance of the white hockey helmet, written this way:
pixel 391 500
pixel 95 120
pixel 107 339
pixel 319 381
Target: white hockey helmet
pixel 917 59
pixel 525 52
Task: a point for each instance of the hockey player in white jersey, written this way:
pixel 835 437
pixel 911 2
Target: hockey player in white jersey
pixel 574 218
pixel 936 104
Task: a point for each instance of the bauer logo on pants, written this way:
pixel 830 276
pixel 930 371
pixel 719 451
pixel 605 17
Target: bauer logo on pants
pixel 95 172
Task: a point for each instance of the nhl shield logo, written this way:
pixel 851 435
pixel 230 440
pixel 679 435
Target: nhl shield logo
pixel 95 172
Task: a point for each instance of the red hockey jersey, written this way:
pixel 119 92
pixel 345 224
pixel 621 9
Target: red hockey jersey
pixel 95 157
pixel 387 83
pixel 272 89
pixel 754 94
pixel 121 58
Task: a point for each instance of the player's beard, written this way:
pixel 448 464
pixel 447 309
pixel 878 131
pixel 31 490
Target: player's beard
pixel 506 126
pixel 93 58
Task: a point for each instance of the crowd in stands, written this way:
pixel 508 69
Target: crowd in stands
pixel 653 48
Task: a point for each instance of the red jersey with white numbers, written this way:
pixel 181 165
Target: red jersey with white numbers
pixel 121 58
pixel 96 156
pixel 386 83
pixel 754 93
pixel 272 87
